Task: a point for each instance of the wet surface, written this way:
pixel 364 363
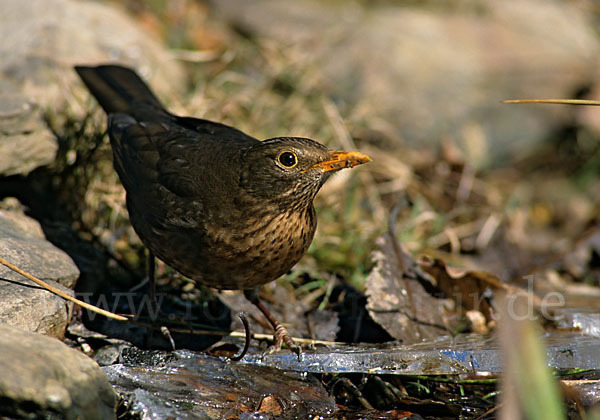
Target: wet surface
pixel 588 391
pixel 585 320
pixel 445 355
pixel 192 386
pixel 189 385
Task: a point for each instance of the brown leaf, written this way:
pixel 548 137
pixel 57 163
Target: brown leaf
pixel 402 300
pixel 471 290
pixel 270 404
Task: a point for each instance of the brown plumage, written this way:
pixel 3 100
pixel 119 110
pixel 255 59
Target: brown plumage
pixel 219 206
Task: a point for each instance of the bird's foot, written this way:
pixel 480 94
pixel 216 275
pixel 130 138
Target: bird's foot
pixel 281 337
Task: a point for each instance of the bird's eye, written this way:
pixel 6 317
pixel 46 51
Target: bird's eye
pixel 287 159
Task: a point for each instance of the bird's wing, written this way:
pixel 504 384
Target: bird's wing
pixel 172 170
pixel 209 129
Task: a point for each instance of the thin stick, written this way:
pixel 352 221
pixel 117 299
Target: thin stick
pixel 61 293
pixel 553 101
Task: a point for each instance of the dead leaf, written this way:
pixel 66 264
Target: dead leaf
pixel 471 290
pixel 401 300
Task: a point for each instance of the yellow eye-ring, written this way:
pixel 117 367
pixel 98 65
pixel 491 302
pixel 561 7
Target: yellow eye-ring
pixel 287 159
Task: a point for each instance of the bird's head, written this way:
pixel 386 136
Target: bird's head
pixel 289 171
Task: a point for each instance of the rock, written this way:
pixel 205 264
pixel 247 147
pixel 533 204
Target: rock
pixel 26 306
pixel 423 74
pixel 25 143
pixel 41 41
pixel 23 244
pixel 23 304
pixel 40 377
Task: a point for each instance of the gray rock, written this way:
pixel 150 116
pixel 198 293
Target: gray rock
pixel 23 244
pixel 41 41
pixel 423 74
pixel 23 304
pixel 29 307
pixel 40 377
pixel 25 142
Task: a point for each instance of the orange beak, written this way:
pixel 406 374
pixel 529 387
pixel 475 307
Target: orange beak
pixel 339 159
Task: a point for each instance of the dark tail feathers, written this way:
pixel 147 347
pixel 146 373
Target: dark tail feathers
pixel 116 87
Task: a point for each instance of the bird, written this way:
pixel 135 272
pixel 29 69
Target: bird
pixel 221 207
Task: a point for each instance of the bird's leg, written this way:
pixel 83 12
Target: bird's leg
pixel 281 333
pixel 152 295
pixel 153 305
pixel 151 279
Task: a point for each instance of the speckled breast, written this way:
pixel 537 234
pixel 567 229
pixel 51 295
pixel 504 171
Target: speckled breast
pixel 245 257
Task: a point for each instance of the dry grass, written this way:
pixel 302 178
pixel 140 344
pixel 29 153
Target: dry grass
pixel 269 90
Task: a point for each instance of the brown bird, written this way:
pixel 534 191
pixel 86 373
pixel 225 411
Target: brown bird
pixel 221 207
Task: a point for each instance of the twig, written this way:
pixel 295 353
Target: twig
pixel 553 101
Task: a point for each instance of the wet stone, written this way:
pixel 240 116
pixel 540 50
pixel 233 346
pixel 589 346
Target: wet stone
pixel 585 320
pixel 588 391
pixel 199 386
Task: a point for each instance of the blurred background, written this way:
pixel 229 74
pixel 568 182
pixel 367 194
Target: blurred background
pixel 502 192
pixel 416 85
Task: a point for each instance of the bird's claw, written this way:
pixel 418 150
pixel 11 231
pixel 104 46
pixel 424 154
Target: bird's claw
pixel 281 337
